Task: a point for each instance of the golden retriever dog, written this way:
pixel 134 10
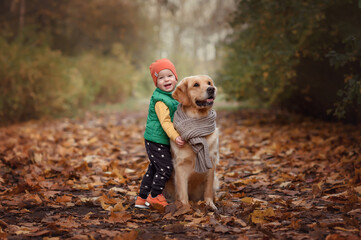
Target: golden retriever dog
pixel 196 94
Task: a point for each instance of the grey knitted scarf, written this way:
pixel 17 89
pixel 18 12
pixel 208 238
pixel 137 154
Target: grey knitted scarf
pixel 194 132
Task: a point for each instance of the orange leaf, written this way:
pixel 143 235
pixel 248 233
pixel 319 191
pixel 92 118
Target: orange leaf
pixel 127 236
pixel 63 199
pixel 120 217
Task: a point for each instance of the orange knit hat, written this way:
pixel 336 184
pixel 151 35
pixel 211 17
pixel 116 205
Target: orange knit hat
pixel 160 65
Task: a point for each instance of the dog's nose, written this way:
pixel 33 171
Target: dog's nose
pixel 210 90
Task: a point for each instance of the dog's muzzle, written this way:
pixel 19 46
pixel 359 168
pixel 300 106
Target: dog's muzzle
pixel 209 101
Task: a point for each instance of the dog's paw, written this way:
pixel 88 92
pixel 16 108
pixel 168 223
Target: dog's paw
pixel 210 203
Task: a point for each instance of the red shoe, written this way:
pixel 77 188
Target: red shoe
pixel 140 203
pixel 158 200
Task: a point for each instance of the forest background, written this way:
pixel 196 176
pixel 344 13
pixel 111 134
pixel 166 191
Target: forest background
pixel 59 57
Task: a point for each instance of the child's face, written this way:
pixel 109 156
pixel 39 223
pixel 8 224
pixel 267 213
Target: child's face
pixel 166 80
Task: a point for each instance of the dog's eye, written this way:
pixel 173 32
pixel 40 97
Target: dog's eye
pixel 209 83
pixel 196 85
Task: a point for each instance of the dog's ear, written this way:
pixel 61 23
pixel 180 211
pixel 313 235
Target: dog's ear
pixel 180 93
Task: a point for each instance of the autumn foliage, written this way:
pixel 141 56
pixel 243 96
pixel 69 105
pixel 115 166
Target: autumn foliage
pixel 281 177
pixel 60 57
pixel 301 55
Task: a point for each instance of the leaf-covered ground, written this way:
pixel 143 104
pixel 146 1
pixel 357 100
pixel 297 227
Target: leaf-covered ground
pixel 281 177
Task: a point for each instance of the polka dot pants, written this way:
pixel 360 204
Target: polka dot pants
pixel 159 170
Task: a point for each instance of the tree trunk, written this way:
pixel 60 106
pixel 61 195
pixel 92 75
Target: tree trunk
pixel 21 15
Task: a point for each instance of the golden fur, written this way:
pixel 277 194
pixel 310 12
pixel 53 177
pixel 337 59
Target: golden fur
pixel 196 95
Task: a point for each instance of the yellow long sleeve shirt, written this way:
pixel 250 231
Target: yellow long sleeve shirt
pixel 162 112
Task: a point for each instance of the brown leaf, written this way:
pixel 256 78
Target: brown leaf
pixel 127 236
pixel 242 237
pixel 118 207
pixel 120 217
pixel 221 229
pixel 183 210
pixel 3 235
pixel 108 233
pixel 38 233
pixel 335 237
pixel 240 222
pixel 3 224
pixel 68 223
pixel 295 224
pixel 63 199
pixel 132 225
pixel 316 189
pixel 174 228
pixel 105 199
pixel 32 199
pixel 160 208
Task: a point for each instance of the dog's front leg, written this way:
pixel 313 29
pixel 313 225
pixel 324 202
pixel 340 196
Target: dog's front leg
pixel 181 182
pixel 209 190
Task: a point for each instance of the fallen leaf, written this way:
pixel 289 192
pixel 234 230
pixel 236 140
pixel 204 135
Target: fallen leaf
pixel 258 216
pixel 335 237
pixel 120 217
pixel 3 224
pixel 183 210
pixel 63 199
pixel 221 229
pixel 132 225
pixel 358 190
pixel 347 229
pixel 127 236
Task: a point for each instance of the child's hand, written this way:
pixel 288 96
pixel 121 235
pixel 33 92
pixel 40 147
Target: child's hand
pixel 179 141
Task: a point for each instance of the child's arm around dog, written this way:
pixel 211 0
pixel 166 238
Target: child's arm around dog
pixel 165 120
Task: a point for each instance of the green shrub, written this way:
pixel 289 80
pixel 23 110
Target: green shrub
pixel 107 79
pixel 296 54
pixel 349 105
pixel 34 81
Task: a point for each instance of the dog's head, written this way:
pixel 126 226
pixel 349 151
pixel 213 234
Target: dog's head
pixel 196 91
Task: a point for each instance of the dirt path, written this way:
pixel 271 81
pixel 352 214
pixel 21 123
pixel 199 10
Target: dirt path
pixel 281 177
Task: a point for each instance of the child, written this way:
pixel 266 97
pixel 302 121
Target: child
pixel 158 131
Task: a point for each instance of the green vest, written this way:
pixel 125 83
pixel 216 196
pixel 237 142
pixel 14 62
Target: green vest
pixel 153 130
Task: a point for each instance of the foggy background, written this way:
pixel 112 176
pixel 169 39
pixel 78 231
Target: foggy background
pixel 58 58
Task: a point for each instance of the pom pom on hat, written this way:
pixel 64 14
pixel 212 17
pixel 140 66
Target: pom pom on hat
pixel 160 65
